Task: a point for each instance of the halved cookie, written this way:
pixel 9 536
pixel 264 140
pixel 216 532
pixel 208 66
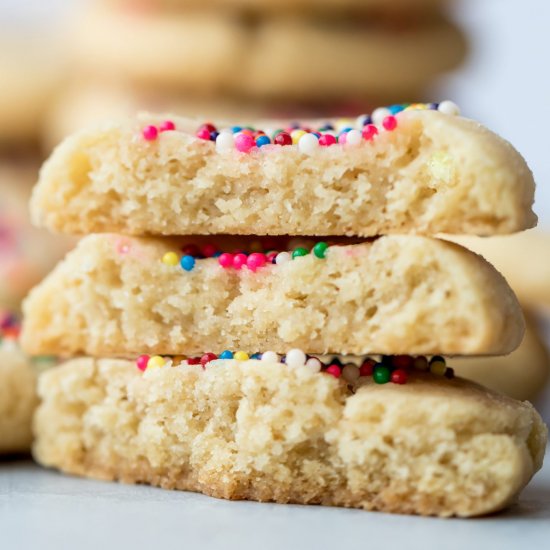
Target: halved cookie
pixel 265 431
pixel 118 295
pixel 421 171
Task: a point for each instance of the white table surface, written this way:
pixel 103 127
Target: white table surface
pixel 41 509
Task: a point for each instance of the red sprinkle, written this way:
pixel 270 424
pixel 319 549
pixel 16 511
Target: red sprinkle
pixel 255 261
pixel 367 368
pixel 208 250
pixel 239 260
pixel 399 376
pixel 282 138
pixel 369 132
pixel 193 361
pixel 334 370
pixel 326 140
pixel 207 357
pixel 390 123
pixel 226 260
pixel 271 256
pixel 167 126
pixel 150 133
pixel 191 250
pixel 142 361
pixel 203 133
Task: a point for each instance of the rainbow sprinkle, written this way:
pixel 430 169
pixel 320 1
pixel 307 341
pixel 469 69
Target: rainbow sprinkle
pixel 383 369
pixel 349 132
pixel 239 259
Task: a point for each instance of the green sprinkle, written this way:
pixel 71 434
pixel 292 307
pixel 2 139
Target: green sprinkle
pixel 298 252
pixel 320 249
pixel 381 374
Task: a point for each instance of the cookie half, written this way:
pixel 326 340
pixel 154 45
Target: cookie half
pixel 421 171
pixel 398 294
pixel 265 431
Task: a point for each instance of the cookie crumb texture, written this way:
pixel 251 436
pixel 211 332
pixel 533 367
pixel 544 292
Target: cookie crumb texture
pixel 18 401
pixel 114 296
pixel 266 432
pixel 434 173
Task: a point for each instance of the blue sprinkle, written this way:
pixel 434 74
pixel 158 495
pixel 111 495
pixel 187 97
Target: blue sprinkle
pixel 214 135
pixel 256 356
pixel 236 129
pixel 394 109
pixel 346 130
pixel 226 354
pixel 262 140
pixel 217 254
pixel 187 263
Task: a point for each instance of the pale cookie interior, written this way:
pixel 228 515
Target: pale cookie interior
pixel 434 173
pixel 264 431
pixel 412 295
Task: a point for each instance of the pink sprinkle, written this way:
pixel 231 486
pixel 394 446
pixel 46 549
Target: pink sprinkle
pixel 370 131
pixel 239 260
pixel 122 246
pixel 208 250
pixel 390 123
pixel 255 261
pixel 244 142
pixel 167 126
pixel 343 137
pixel 327 139
pixel 226 260
pixel 203 133
pixel 150 133
pixel 142 361
pixel 334 370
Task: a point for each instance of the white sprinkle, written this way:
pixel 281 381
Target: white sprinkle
pixel 313 364
pixel 378 115
pixel 282 258
pixel 360 121
pixel 296 358
pixel 270 357
pixel 353 138
pixel 448 107
pixel 225 142
pixel 308 144
pixel 350 372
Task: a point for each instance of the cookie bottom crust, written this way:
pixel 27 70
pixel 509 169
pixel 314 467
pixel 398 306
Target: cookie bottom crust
pixel 261 431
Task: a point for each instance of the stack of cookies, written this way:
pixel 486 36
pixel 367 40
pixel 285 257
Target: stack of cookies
pixel 246 58
pixel 224 356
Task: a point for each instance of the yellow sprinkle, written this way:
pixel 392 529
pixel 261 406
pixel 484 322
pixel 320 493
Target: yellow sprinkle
pixel 155 362
pixel 296 135
pixel 438 368
pixel 416 107
pixel 240 356
pixel 342 123
pixel 170 258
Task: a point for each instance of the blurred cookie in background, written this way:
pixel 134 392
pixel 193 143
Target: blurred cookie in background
pixel 523 259
pixel 30 75
pixel 284 57
pixel 521 375
pixel 27 254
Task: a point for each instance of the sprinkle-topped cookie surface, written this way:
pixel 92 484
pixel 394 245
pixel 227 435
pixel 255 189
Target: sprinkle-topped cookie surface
pixel 307 138
pixel 383 369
